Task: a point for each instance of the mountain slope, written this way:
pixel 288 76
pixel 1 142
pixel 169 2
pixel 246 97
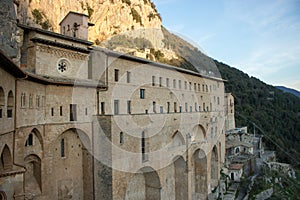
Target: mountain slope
pixel 275 112
pixel 289 90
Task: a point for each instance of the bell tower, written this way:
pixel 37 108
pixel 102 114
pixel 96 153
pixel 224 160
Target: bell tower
pixel 75 25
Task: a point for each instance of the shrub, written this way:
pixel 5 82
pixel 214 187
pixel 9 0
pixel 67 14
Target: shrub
pixel 41 19
pixel 128 2
pixel 136 16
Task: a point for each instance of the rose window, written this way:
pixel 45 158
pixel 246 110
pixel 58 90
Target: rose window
pixel 62 65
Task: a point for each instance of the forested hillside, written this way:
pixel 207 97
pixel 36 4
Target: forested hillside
pixel 275 112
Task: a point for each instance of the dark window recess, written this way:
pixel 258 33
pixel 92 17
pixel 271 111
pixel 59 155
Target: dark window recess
pixel 121 137
pixel 102 108
pixel 52 111
pixel 129 107
pixel 116 107
pixel 168 107
pixel 9 113
pixel 143 147
pixel 153 80
pixel 128 77
pixel 86 111
pixel 175 107
pixel 60 111
pixel 154 106
pixel 0 112
pixel 142 93
pixel 73 112
pixel 116 75
pixel 62 148
pixel 29 141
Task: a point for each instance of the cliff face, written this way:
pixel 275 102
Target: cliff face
pixel 137 18
pixel 8 31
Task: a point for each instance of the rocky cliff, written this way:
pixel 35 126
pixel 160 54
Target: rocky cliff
pixel 136 18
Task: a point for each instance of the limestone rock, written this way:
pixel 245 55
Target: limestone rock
pixel 137 18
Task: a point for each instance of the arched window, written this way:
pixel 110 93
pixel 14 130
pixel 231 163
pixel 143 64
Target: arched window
pixel 6 159
pixel 29 141
pixel 237 150
pixel 10 104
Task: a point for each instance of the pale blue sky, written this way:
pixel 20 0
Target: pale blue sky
pixel 259 37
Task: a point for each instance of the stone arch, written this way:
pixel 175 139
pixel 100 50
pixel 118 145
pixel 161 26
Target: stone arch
pixel 200 175
pixel 73 153
pixel 144 185
pixel 177 139
pixel 34 138
pixel 2 97
pixel 214 167
pixel 6 163
pixel 199 133
pixel 181 178
pixel 3 195
pixel 33 174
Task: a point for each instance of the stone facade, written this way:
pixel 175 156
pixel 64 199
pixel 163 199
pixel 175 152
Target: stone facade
pixel 112 127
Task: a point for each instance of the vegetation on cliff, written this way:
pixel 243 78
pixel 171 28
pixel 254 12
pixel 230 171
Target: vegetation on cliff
pixel 275 112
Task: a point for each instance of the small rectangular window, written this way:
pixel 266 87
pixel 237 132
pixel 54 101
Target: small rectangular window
pixel 174 83
pixel 161 109
pixel 160 81
pixel 60 111
pixel 102 108
pixel 180 109
pixel 195 87
pixel 116 107
pixel 186 107
pixel 129 107
pixel 191 108
pixel 154 106
pixel 199 87
pixel 43 101
pixel 116 75
pixel 167 82
pixel 185 85
pixel 128 77
pixel 168 107
pixel 9 113
pixel 179 84
pixel 190 85
pixel 73 112
pixel 62 148
pixel 52 111
pixel 142 93
pixel 86 111
pixel 30 101
pixel 143 148
pixel 37 101
pixel 175 107
pixel 153 80
pixel 0 112
pixel 121 138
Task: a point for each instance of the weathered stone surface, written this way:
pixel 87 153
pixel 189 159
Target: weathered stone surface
pixel 110 17
pixel 8 31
